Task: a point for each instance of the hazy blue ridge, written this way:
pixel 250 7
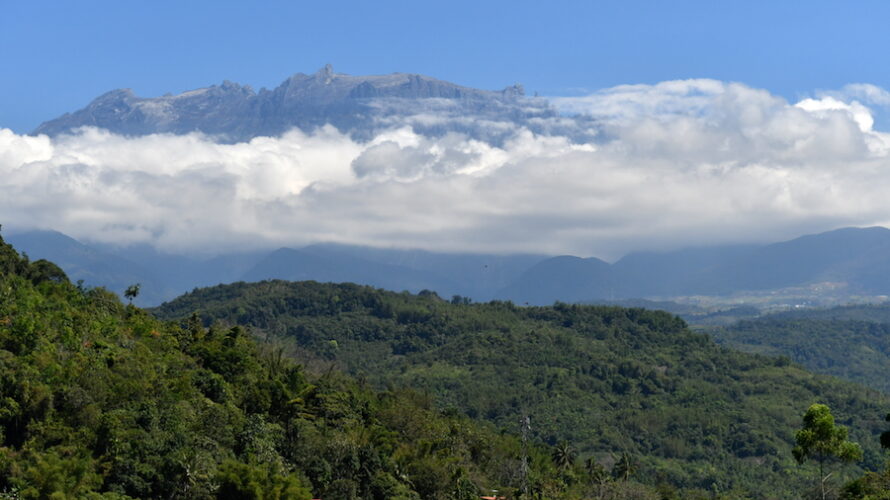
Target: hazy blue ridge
pixel 855 260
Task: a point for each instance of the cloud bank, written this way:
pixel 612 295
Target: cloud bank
pixel 674 164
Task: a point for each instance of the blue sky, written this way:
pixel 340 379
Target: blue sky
pixel 59 55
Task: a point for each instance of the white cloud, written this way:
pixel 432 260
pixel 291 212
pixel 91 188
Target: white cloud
pixel 865 92
pixel 631 102
pixel 860 114
pixel 674 164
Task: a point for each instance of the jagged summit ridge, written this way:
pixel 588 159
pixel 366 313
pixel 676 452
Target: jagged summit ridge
pixel 327 85
pixel 358 105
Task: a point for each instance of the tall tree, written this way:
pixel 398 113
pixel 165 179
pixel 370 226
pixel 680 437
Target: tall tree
pixel 822 440
pixel 132 292
pixel 624 467
pixel 563 456
pixel 885 436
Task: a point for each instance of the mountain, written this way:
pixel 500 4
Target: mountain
pixel 181 273
pixel 680 272
pixel 850 260
pixel 165 276
pixel 301 265
pixel 93 266
pixel 840 265
pixel 564 278
pixel 162 276
pixel 475 276
pixel 859 257
pixel 359 105
pixel 606 380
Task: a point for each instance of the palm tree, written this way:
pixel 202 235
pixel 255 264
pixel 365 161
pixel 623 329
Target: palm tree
pixel 132 292
pixel 624 467
pixel 563 456
pixel 596 472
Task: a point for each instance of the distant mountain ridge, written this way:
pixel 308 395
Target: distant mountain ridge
pixel 852 261
pixel 855 259
pixel 359 105
pixel 162 276
pixel 165 276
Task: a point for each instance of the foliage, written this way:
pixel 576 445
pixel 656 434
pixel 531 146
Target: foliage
pixel 885 436
pixel 696 417
pixel 848 344
pixel 821 439
pixel 132 292
pixel 871 486
pixel 102 400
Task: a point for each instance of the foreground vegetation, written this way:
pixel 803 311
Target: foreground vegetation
pixel 605 382
pixel 102 400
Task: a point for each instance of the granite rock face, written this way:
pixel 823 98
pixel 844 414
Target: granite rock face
pixel 357 105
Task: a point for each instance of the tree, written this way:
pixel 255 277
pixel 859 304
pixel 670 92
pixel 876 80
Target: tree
pixel 563 456
pixel 259 481
pixel 598 477
pixel 624 467
pixel 132 292
pixel 821 439
pixel 885 436
pixel 596 473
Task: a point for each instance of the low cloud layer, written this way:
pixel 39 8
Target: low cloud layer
pixel 674 164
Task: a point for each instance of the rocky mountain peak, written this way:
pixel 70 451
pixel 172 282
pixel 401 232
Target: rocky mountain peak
pixel 326 74
pixel 357 105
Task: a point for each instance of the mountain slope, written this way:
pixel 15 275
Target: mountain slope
pixel 298 265
pixel 359 105
pixel 475 276
pixel 162 276
pixel 854 350
pixel 565 278
pixel 850 342
pixel 680 272
pixel 606 379
pixel 834 256
pixel 100 400
pixel 94 267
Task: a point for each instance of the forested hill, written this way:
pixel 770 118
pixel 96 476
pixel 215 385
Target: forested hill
pixel 606 380
pixel 101 400
pixel 851 342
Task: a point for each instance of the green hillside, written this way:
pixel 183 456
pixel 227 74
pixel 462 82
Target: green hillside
pixel 606 380
pixel 101 400
pixel 852 349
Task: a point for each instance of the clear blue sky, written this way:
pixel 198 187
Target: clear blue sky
pixel 59 55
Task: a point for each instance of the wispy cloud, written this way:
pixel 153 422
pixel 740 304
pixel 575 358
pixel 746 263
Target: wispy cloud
pixel 674 164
